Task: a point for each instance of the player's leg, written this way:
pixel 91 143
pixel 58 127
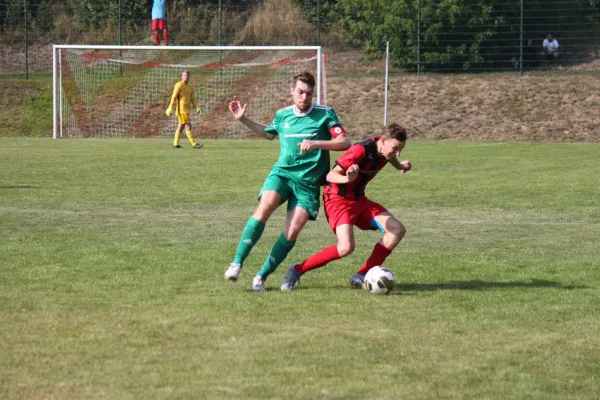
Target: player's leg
pixel 269 201
pixel 296 219
pixel 162 25
pixel 177 135
pixel 273 193
pixel 303 205
pixel 155 24
pixel 188 133
pixel 344 247
pixel 394 232
pixel 341 215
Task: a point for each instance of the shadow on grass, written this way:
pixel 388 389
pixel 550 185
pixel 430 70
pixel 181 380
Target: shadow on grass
pixel 19 187
pixel 481 285
pixel 402 288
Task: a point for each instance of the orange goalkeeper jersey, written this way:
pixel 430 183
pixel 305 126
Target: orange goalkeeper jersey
pixel 183 96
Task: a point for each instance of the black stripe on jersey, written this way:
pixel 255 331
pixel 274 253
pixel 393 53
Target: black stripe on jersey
pixel 368 166
pixel 341 186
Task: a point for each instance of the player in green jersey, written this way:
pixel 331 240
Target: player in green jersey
pixel 306 131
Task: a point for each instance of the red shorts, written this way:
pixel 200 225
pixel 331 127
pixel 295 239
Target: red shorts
pixel 159 24
pixel 341 210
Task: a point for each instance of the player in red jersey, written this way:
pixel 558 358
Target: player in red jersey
pixel 347 206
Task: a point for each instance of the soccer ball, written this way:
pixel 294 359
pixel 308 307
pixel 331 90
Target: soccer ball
pixel 379 280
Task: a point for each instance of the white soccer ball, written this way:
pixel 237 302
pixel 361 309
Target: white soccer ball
pixel 379 280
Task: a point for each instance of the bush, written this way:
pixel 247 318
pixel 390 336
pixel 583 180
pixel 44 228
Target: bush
pixel 277 22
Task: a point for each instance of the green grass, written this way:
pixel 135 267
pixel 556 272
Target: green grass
pixel 26 106
pixel 113 251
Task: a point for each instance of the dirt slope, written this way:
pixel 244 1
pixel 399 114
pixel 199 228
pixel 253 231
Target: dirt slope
pixel 559 106
pixel 563 106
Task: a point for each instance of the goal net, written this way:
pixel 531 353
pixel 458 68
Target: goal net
pixel 123 91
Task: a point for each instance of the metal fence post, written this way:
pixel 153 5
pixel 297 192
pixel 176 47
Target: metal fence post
pixel 521 40
pixel 26 46
pixel 220 22
pixel 120 41
pixel 318 22
pixel 418 37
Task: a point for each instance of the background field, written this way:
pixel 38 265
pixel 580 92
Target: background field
pixel 558 106
pixel 113 251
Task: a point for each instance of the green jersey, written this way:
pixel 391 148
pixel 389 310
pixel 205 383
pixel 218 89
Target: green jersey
pixel 292 128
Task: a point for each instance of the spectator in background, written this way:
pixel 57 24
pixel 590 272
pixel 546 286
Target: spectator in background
pixel 159 21
pixel 530 60
pixel 550 46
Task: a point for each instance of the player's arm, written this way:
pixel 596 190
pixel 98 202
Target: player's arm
pixel 193 99
pixel 238 110
pixel 403 166
pixel 340 176
pixel 173 99
pixel 175 95
pixel 194 104
pixel 257 128
pixel 340 141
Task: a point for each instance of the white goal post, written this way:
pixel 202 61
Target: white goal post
pixel 123 91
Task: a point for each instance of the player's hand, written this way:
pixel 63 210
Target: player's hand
pixel 352 172
pixel 199 110
pixel 307 145
pixel 405 166
pixel 237 109
pixel 169 111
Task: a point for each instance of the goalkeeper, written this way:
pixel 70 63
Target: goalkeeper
pixel 183 96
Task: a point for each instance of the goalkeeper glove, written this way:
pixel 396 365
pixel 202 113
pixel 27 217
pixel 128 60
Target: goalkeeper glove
pixel 169 111
pixel 198 110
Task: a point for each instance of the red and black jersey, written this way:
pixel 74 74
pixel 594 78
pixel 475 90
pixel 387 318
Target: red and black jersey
pixel 365 155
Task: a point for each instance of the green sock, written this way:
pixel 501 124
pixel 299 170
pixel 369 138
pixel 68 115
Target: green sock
pixel 252 232
pixel 279 252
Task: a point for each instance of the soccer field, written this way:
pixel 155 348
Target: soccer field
pixel 113 253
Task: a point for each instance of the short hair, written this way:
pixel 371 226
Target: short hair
pixel 305 77
pixel 394 131
pixel 185 72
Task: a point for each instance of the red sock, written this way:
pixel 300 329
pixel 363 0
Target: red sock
pixel 166 37
pixel 377 257
pixel 156 37
pixel 323 257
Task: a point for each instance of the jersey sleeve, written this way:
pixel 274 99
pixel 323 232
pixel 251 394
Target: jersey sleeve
pixel 332 118
pixel 272 127
pixel 175 94
pixel 353 155
pixel 193 99
pixel 334 126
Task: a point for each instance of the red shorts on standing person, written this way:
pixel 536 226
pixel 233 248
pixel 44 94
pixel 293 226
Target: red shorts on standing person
pixel 341 210
pixel 159 24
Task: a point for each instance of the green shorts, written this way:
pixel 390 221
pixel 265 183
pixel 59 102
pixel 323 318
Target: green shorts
pixel 295 193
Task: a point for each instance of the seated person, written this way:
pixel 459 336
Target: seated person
pixel 550 46
pixel 529 55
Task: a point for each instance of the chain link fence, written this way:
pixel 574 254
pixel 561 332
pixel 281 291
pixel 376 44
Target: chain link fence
pixel 424 35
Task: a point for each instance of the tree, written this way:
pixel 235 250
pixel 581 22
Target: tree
pixel 456 35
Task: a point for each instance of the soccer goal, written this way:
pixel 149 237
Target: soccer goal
pixel 123 91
